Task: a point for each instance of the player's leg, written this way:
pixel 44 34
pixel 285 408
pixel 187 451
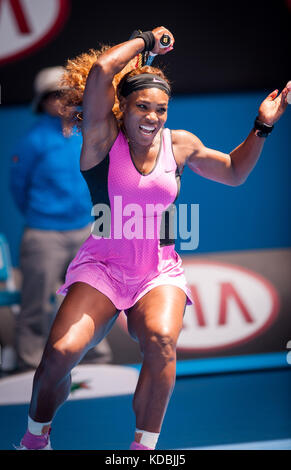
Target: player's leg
pixel 84 318
pixel 156 321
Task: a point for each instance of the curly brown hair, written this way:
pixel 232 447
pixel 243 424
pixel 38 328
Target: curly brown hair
pixel 75 76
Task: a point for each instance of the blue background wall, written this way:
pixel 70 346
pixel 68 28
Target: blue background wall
pixel 252 216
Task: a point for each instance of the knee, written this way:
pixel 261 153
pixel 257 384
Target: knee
pixel 57 362
pixel 159 349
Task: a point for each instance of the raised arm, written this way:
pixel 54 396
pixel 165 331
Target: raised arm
pixel 233 168
pixel 99 124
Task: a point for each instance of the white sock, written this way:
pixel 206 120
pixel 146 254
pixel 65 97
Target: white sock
pixel 37 428
pixel 148 439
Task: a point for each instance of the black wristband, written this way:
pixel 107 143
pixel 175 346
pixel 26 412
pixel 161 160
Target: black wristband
pixel 263 129
pixel 149 40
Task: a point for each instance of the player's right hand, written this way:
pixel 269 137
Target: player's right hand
pixel 158 33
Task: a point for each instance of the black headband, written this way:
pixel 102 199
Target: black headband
pixel 144 80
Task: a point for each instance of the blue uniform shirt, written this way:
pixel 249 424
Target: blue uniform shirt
pixel 45 178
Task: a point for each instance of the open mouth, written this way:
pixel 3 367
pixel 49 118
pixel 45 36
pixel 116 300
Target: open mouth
pixel 147 130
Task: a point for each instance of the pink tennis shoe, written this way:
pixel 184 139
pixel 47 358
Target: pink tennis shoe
pixel 33 442
pixel 137 446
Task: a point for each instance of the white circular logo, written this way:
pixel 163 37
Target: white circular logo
pixel 231 305
pixel 26 25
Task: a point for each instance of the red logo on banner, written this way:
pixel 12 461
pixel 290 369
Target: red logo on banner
pixel 232 305
pixel 27 25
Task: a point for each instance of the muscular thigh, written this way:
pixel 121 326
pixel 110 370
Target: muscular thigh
pixel 84 318
pixel 159 312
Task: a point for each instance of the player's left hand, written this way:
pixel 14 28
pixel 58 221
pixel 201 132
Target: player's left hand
pixel 274 106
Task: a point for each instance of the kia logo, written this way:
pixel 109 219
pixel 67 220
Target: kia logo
pixel 232 305
pixel 27 25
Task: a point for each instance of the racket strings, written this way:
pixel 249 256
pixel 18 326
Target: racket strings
pixel 141 60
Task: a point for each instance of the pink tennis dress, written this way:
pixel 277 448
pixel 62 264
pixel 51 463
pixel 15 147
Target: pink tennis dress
pixel 130 250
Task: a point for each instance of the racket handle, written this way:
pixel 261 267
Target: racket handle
pixel 165 41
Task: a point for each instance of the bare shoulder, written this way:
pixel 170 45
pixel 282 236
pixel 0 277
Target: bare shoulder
pixel 185 144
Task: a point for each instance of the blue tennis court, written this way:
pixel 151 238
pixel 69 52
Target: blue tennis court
pixel 215 407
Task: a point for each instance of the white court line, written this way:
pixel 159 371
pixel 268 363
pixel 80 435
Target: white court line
pixel 280 444
pixel 90 380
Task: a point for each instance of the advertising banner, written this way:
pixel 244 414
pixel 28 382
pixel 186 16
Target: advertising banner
pixel 219 46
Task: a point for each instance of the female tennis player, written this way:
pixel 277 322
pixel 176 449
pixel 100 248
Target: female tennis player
pixel 131 162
